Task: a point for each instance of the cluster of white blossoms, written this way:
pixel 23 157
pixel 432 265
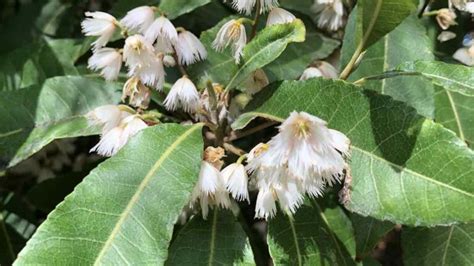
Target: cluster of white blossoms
pixel 118 123
pixel 303 158
pixel 233 33
pixel 214 186
pixel 151 44
pixel 331 14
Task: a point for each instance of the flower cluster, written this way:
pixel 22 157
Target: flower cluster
pixel 302 159
pixel 151 44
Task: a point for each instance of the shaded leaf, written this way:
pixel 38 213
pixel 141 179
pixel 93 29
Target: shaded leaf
pixel 7 254
pixel 297 56
pixel 439 246
pixel 452 77
pixel 38 61
pixel 394 49
pixel 368 232
pixel 218 240
pixel 36 115
pixel 125 209
pixel 176 8
pixel 379 17
pixel 405 168
pixel 316 235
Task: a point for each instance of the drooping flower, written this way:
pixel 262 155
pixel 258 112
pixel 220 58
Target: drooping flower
pixel 279 16
pixel 107 116
pixel 183 94
pixel 267 5
pixel 151 74
pixel 113 140
pixel 108 60
pixel 137 52
pixel 189 48
pixel 231 33
pixel 139 18
pixel 244 6
pixel 446 18
pixel 331 14
pixel 210 189
pixel 301 159
pixel 256 82
pixel 465 55
pixel 320 69
pixel 163 45
pixel 161 27
pixel 446 36
pixel 139 95
pixel 236 181
pixel 99 24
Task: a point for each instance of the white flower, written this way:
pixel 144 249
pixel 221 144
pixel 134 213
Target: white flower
pixel 189 48
pixel 446 18
pixel 109 60
pixel 465 55
pixel 137 52
pixel 108 116
pixel 311 72
pixel 161 27
pixel 446 36
pixel 152 73
pixel 139 94
pixel 112 141
pixel 99 24
pixel 244 6
pixel 231 33
pixel 210 189
pixel 321 69
pixel 331 13
pixel 462 5
pixel 183 94
pixel 279 16
pixel 236 181
pixel 267 5
pixel 168 61
pixel 302 158
pixel 139 18
pixel 265 206
pixel 163 45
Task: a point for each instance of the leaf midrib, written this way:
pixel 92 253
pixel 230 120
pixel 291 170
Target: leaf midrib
pixel 141 188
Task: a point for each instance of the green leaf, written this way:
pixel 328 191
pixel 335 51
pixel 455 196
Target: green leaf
pixel 218 240
pixel 316 235
pixel 265 48
pixel 34 116
pixel 394 49
pixel 297 56
pixel 38 61
pixel 303 6
pixel 368 232
pixel 405 168
pixel 438 246
pixel 176 8
pixel 379 17
pixel 454 111
pixel 124 210
pixel 121 7
pixel 374 19
pixel 452 77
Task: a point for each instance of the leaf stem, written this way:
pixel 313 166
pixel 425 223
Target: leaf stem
pixel 255 20
pixel 385 75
